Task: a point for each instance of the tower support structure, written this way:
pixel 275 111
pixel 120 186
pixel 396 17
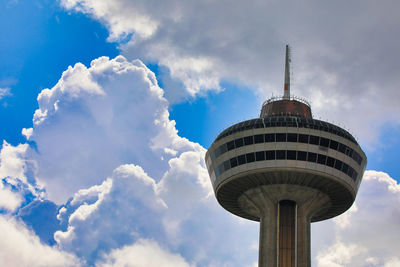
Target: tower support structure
pixel 285 170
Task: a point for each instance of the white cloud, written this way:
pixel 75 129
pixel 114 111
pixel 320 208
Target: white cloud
pixel 12 162
pixel 20 247
pixel 338 53
pixel 142 254
pixel 27 132
pixel 116 123
pixel 15 171
pixel 115 213
pixel 9 200
pixel 5 92
pixel 368 235
pixel 95 119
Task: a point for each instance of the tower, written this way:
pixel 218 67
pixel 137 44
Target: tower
pixel 285 170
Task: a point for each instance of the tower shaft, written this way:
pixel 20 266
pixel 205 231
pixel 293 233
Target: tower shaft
pixel 285 213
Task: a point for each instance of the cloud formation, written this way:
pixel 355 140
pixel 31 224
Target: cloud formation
pixel 151 192
pixel 20 247
pixel 367 235
pixel 340 62
pixel 95 119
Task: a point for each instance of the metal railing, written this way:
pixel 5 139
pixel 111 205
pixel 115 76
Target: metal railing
pixel 279 98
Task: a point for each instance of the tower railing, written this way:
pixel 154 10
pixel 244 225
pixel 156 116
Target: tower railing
pixel 280 98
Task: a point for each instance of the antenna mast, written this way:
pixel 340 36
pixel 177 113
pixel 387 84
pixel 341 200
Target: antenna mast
pixel 286 88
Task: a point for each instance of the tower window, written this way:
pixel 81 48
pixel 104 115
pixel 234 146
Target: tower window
pixel 321 159
pixel 330 162
pixel 248 140
pixel 334 145
pixel 230 145
pixel 259 138
pixel 292 137
pixel 312 157
pixel 291 154
pixel 281 154
pixel 250 157
pixel 269 137
pixel 270 154
pixel 280 137
pixel 241 159
pixel 303 138
pixel 239 142
pixel 314 140
pixel 301 155
pixel 260 156
pixel 338 165
pixel 324 142
pixel 234 162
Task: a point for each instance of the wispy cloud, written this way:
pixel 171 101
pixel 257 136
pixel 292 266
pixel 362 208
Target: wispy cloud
pixel 5 92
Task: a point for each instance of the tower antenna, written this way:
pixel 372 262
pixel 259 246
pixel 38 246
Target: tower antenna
pixel 286 88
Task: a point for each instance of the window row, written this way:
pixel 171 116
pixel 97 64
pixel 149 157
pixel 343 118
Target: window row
pixel 286 155
pixel 287 137
pixel 286 121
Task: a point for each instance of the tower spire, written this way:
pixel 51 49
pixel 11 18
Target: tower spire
pixel 286 88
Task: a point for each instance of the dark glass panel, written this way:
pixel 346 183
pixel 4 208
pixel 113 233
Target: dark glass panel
pixel 250 157
pixel 303 138
pixel 270 154
pixel 239 142
pixel 342 148
pixel 338 164
pixel 216 171
pixel 312 157
pixel 324 142
pixel 321 159
pixel 259 138
pixel 292 137
pixel 260 156
pixel 350 171
pixel 234 162
pixel 291 154
pixel 230 145
pixel 227 165
pixel 301 155
pixel 248 140
pixel 281 154
pixel 314 140
pixel 221 168
pixel 354 176
pixel 212 156
pixel 334 145
pixel 223 149
pixel 330 162
pixel 269 137
pixel 241 159
pixel 345 167
pixel 280 137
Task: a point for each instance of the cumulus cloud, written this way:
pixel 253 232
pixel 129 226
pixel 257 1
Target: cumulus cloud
pixel 17 174
pixel 141 254
pixel 338 52
pixel 20 247
pixel 138 187
pixel 95 119
pixel 368 236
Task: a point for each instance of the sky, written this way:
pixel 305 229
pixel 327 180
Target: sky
pixel 108 107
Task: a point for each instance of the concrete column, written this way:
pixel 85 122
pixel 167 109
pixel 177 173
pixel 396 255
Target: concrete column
pixel 303 238
pixel 267 256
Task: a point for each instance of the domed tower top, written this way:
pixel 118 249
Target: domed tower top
pixel 286 105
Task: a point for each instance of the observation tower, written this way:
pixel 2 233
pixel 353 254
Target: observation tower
pixel 285 170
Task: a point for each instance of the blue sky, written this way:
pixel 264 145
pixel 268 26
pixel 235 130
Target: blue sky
pixel 116 142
